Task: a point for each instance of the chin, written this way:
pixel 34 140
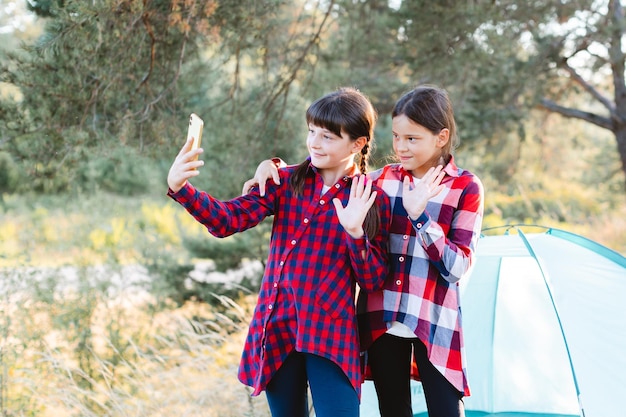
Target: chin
pixel 408 167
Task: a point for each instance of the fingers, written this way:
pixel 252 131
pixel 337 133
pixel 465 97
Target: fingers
pixel 185 166
pixel 186 147
pixel 371 200
pixel 262 188
pixel 275 174
pixel 186 154
pixel 247 186
pixel 435 186
pixel 438 174
pixel 361 187
pixel 406 184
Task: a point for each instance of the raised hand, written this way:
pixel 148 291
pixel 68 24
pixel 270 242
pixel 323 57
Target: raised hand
pixel 266 170
pixel 415 199
pixel 184 166
pixel 361 199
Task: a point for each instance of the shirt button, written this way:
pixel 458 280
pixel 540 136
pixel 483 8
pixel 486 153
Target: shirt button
pixel 398 282
pixel 276 285
pixel 401 259
pixel 306 221
pixel 418 225
pixel 270 306
pixel 405 237
pixel 322 202
pixel 281 263
pixel 293 242
pixel 337 186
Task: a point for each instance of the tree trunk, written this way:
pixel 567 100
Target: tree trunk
pixel 620 136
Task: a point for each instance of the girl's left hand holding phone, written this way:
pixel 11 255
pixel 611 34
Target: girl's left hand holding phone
pixel 185 166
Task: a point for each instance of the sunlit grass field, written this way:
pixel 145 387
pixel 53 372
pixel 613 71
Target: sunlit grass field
pixel 83 333
pixel 93 346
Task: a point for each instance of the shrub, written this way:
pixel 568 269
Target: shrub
pixel 8 173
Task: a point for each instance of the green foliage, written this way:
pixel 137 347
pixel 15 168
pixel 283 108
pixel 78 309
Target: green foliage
pixel 178 278
pixel 9 174
pixel 228 253
pixel 122 171
pixel 45 8
pixel 172 282
pixel 125 75
pixel 98 69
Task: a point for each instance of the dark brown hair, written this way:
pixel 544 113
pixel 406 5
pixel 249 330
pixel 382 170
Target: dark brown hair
pixel 430 106
pixel 345 110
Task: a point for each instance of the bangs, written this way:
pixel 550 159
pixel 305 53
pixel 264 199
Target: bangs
pixel 326 114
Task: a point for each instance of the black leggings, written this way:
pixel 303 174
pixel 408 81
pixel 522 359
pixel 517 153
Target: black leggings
pixel 390 361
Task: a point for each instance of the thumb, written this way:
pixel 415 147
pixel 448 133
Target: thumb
pixel 338 205
pixel 406 184
pixel 247 186
pixel 262 189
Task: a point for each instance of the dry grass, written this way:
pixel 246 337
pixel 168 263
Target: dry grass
pixel 89 354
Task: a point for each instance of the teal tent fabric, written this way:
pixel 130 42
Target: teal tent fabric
pixel 545 328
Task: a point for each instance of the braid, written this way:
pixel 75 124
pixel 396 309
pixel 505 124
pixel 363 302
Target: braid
pixel 371 225
pixel 363 161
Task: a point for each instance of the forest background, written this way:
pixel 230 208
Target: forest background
pixel 115 302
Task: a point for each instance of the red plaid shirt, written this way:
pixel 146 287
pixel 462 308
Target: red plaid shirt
pixel 427 258
pixel 306 300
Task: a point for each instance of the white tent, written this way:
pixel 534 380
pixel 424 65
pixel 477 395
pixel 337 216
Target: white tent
pixel 544 319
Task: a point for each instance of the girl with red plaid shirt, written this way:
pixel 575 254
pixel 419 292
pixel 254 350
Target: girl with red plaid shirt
pixel 412 327
pixel 329 232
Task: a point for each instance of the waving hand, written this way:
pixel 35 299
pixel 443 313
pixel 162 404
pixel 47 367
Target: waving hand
pixel 361 200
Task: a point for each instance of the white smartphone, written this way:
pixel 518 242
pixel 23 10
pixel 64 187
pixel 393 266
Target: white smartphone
pixel 195 130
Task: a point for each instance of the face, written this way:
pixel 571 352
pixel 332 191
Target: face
pixel 329 151
pixel 417 148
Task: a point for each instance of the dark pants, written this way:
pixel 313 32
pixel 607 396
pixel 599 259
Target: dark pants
pixel 333 394
pixel 390 361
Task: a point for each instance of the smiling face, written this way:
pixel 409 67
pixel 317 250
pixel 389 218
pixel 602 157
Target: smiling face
pixel 331 152
pixel 416 147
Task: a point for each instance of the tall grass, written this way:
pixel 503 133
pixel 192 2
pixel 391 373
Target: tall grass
pixel 88 347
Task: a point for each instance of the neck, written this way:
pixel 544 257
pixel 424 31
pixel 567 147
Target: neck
pixel 332 175
pixel 419 172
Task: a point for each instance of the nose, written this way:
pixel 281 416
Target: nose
pixel 315 140
pixel 400 145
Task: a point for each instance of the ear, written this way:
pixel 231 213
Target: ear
pixel 443 137
pixel 358 144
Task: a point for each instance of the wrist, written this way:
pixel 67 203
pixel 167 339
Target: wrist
pixel 356 234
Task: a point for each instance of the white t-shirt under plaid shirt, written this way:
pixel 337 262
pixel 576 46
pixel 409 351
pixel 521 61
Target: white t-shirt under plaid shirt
pixel 428 257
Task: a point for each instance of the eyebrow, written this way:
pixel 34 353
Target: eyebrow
pixel 413 135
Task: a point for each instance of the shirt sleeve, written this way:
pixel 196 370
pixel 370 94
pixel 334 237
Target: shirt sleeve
pixel 224 218
pixel 453 254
